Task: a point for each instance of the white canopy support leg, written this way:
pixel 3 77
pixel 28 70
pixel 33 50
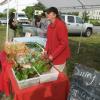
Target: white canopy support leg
pixel 16 9
pixel 7 29
pixel 79 44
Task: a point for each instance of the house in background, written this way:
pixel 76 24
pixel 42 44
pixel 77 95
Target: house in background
pixel 93 14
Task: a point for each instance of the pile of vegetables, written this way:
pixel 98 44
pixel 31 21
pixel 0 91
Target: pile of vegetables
pixel 31 64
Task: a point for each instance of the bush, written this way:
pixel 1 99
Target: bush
pixel 95 22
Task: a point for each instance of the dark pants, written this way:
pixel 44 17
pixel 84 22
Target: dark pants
pixel 12 34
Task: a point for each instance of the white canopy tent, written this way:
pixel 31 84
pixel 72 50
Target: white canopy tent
pixel 72 5
pixel 76 4
pixel 3 2
pixel 62 5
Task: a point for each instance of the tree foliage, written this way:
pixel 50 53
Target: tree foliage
pixel 85 16
pixel 38 6
pixel 11 10
pixel 31 9
pixel 73 13
pixel 4 14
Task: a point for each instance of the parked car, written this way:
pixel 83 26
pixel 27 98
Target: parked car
pixel 76 25
pixel 3 21
pixel 22 18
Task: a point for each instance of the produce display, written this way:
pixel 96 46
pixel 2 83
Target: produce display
pixel 27 59
pixel 12 48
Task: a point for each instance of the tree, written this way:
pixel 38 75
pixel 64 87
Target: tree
pixel 2 15
pixel 85 16
pixel 38 6
pixel 31 9
pixel 5 11
pixel 10 11
pixel 73 13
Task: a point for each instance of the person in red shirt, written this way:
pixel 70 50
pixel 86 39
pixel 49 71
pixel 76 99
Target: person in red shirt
pixel 57 47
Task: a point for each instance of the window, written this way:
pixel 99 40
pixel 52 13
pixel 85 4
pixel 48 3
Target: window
pixel 63 18
pixel 79 20
pixel 21 15
pixel 71 19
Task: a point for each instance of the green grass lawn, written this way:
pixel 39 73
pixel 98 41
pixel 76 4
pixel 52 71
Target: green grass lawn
pixel 2 36
pixel 89 51
pixel 89 54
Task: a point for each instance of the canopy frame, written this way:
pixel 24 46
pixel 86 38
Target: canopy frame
pixel 80 5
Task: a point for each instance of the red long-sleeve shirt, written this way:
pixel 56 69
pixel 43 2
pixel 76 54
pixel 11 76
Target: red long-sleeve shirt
pixel 57 42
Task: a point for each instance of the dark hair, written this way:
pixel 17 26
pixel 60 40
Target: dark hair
pixel 43 15
pixel 12 14
pixel 54 10
pixel 11 21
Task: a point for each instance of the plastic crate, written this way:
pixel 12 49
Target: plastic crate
pixel 28 82
pixel 45 77
pixel 51 76
pixel 48 76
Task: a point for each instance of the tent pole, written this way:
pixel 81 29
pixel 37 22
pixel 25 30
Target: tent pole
pixel 16 13
pixel 79 44
pixel 7 29
pixel 16 7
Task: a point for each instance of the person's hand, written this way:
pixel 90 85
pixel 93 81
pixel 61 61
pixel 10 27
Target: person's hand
pixel 44 52
pixel 51 58
pixel 14 23
pixel 44 55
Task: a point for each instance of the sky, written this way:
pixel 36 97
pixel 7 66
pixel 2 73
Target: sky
pixel 21 4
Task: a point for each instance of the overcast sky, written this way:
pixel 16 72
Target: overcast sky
pixel 21 4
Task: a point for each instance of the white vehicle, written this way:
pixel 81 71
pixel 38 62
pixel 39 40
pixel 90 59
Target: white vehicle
pixel 22 18
pixel 3 21
pixel 76 25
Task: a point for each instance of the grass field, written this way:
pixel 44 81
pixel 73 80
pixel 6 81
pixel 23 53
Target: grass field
pixel 2 36
pixel 89 54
